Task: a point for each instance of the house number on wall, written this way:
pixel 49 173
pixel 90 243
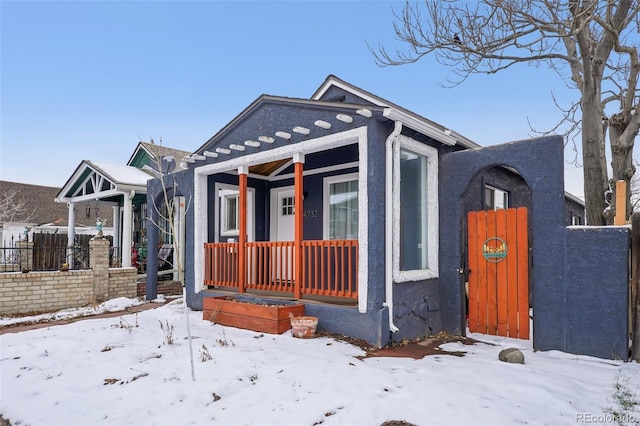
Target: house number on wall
pixel 310 214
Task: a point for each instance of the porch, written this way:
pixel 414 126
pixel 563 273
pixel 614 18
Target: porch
pixel 285 224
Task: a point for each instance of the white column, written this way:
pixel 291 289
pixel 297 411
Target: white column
pixel 179 219
pixel 71 227
pixel 200 228
pixel 71 233
pixel 127 231
pixel 116 226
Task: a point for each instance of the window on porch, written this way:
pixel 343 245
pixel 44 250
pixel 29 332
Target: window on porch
pixel 341 207
pixel 229 212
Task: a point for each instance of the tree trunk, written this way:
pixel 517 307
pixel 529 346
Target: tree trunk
pixel 595 173
pixel 621 156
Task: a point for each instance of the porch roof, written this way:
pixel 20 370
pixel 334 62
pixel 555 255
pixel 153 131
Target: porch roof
pixel 102 181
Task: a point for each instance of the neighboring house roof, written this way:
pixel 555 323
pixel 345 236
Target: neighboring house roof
pixel 147 154
pixel 122 175
pixel 91 181
pixel 42 209
pixel 574 198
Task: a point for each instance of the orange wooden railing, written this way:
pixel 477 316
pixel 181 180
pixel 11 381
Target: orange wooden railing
pixel 221 264
pixel 270 265
pixel 328 268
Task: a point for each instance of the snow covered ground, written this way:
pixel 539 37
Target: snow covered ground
pixel 122 370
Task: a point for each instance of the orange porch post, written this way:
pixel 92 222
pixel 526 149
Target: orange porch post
pixel 298 160
pixel 242 238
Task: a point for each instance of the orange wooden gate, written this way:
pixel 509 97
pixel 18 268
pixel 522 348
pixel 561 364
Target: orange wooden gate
pixel 498 253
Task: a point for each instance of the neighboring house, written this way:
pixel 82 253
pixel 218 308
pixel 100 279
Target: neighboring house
pixel 120 193
pixel 574 210
pixel 363 250
pixel 43 215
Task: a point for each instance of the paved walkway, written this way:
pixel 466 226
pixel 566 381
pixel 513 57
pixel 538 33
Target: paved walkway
pixel 131 310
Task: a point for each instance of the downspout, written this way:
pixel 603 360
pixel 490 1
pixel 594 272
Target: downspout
pixel 388 221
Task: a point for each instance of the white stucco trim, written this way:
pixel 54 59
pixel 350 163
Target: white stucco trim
pixel 334 140
pixel 432 210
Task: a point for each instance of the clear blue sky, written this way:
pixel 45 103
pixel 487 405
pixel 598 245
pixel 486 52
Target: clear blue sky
pixel 85 80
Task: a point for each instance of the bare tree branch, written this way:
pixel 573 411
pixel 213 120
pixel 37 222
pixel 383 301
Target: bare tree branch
pixel 13 208
pixel 592 45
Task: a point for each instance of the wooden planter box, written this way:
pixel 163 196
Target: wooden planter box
pixel 251 313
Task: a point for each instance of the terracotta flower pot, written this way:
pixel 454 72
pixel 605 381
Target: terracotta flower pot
pixel 304 327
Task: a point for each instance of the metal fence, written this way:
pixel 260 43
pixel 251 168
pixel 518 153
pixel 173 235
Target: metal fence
pixel 44 252
pixel 27 257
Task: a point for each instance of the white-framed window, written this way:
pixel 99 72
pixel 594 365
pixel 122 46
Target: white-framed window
pixel 229 206
pixel 415 211
pixel 576 220
pixel 495 198
pixel 340 207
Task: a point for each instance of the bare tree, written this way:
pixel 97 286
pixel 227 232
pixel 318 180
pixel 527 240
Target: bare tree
pixel 171 216
pixel 591 44
pixel 13 208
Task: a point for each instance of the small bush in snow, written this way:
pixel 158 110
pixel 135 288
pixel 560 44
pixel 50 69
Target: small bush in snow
pixel 204 354
pixel 168 332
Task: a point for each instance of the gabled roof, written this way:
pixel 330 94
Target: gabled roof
pixel 282 101
pixel 148 154
pixel 395 112
pixel 335 97
pixel 92 181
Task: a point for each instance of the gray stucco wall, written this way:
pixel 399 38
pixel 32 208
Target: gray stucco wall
pixel 594 304
pixel 178 184
pixel 416 309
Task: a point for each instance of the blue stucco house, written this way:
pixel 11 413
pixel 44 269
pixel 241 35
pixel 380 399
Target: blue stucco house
pixel 335 201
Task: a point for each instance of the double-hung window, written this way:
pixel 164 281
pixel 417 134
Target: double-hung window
pixel 229 212
pixel 341 207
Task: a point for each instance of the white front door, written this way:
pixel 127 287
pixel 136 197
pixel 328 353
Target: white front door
pixel 285 214
pixel 282 229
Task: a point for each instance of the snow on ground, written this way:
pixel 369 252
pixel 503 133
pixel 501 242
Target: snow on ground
pixel 113 305
pixel 122 371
